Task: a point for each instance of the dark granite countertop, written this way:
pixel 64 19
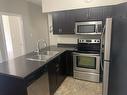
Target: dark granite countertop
pixel 21 67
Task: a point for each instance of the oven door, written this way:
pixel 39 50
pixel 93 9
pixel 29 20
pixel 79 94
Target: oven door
pixel 86 62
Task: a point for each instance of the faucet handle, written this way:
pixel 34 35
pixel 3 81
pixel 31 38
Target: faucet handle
pixel 45 43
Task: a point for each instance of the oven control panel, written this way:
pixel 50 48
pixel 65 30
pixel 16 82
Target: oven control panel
pixel 88 40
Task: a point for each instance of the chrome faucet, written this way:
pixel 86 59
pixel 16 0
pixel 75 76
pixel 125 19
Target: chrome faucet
pixel 38 45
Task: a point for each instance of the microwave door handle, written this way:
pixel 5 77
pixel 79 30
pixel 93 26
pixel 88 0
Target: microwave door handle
pixel 96 28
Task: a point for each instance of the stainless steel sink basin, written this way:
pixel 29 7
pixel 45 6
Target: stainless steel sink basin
pixel 50 53
pixel 43 56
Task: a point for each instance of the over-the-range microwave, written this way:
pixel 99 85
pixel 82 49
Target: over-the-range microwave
pixel 91 27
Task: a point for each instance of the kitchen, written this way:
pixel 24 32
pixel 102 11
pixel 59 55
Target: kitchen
pixel 63 24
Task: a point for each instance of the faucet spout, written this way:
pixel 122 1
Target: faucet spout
pixel 38 45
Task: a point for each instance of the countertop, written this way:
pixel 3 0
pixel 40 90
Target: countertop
pixel 20 67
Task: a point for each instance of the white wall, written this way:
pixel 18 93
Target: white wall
pixel 7 35
pixel 0 56
pixel 2 44
pixel 34 22
pixel 18 7
pixel 17 35
pixel 39 23
pixel 64 39
pixel 57 5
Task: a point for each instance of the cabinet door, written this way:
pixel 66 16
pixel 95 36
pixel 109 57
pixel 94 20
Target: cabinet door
pixel 81 15
pixel 120 11
pixel 52 77
pixel 96 13
pixel 58 22
pixel 107 11
pixel 70 22
pixel 63 22
pixel 69 63
pixel 61 69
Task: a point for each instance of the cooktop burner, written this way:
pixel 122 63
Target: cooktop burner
pixel 89 46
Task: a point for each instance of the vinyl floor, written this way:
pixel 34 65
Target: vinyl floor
pixel 73 86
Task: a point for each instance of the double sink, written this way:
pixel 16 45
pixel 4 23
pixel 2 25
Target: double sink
pixel 43 56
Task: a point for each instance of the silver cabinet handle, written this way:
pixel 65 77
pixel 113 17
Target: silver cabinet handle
pixel 60 30
pixel 57 65
pixel 51 29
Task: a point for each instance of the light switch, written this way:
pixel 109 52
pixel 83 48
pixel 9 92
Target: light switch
pixel 31 35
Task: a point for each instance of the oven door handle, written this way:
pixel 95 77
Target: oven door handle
pixel 83 54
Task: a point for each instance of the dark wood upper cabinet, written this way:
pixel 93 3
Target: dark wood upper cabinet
pixel 64 21
pixel 120 11
pixel 58 22
pixel 95 13
pixel 70 22
pixel 81 15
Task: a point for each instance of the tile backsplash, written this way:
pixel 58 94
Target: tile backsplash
pixel 69 39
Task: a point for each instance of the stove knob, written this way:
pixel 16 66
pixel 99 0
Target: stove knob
pixel 80 41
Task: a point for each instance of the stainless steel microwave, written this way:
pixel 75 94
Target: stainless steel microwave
pixel 91 27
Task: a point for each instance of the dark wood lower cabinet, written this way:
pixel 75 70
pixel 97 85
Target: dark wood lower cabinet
pixel 52 76
pixel 10 85
pixel 61 69
pixel 69 63
pixel 57 72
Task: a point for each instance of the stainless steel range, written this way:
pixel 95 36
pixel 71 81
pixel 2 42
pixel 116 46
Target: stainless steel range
pixel 86 60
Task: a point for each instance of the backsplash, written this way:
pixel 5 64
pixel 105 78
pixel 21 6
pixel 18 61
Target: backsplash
pixel 68 39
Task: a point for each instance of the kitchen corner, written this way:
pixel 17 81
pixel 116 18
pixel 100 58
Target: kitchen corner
pixel 26 71
pixel 74 47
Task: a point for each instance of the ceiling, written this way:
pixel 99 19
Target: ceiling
pixel 38 2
